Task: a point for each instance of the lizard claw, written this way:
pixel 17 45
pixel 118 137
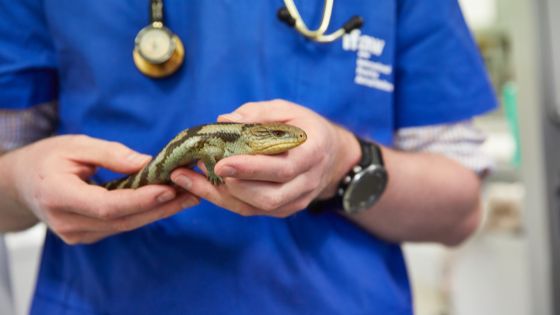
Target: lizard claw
pixel 215 180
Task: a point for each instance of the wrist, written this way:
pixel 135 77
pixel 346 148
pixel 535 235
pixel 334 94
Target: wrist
pixel 348 154
pixel 11 184
pixel 360 187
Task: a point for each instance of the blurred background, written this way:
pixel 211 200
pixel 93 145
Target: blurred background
pixel 508 267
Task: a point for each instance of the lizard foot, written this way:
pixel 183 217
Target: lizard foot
pixel 215 180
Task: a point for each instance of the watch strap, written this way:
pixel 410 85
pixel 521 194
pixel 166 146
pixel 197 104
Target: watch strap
pixel 371 153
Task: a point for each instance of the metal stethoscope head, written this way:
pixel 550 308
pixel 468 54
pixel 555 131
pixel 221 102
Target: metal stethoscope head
pixel 289 14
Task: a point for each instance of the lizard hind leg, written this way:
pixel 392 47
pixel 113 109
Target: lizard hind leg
pixel 209 163
pixel 212 154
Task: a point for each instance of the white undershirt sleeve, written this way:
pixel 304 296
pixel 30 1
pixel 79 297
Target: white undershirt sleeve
pixel 460 141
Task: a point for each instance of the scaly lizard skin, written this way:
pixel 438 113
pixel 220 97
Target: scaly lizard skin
pixel 209 144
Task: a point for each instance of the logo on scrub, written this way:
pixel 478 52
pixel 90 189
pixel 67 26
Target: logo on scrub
pixel 369 73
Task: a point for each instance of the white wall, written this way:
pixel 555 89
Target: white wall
pixel 24 250
pixel 480 14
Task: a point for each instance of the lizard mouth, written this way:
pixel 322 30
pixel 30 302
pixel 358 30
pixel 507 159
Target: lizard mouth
pixel 275 148
pixel 275 139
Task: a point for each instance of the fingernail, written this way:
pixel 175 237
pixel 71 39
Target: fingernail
pixel 165 197
pixel 231 117
pixel 189 202
pixel 183 181
pixel 228 171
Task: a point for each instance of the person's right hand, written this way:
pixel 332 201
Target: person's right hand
pixel 49 178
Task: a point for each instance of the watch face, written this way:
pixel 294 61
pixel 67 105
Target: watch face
pixel 364 190
pixel 155 44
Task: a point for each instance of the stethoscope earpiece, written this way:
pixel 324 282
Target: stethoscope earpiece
pixel 285 16
pixel 353 23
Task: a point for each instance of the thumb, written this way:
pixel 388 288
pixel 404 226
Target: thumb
pixel 266 111
pixel 110 155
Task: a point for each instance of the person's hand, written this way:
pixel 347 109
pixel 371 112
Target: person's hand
pixel 283 184
pixel 49 178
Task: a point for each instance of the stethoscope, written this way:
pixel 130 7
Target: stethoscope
pixel 158 52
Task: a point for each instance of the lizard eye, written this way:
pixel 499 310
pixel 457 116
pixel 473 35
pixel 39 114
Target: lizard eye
pixel 278 133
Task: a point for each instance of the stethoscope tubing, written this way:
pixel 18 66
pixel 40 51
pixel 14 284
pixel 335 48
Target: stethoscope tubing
pixel 291 16
pixel 300 24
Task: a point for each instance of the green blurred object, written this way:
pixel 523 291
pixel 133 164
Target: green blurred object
pixel 509 96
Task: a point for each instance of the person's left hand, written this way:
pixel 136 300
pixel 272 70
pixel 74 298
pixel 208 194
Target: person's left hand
pixel 278 185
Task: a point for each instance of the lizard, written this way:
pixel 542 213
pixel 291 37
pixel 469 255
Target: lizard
pixel 210 143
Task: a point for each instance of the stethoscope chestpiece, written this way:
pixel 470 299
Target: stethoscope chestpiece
pixel 158 52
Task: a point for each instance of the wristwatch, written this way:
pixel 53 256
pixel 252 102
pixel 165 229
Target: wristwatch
pixel 362 187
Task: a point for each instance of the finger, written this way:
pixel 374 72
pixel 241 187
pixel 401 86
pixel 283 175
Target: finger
pixel 269 197
pixel 83 236
pixel 91 238
pixel 111 155
pixel 87 238
pixel 78 238
pixel 268 111
pixel 68 223
pixel 97 202
pixel 279 168
pixel 295 206
pixel 133 222
pixel 198 185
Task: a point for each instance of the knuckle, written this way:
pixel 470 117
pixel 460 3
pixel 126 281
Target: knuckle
pixel 287 172
pixel 122 226
pixel 104 214
pixel 71 239
pixel 271 202
pixel 246 106
pixel 119 148
pixel 313 185
pixel 280 102
pixel 280 215
pixel 117 145
pixel 318 152
pixel 54 224
pixel 79 138
pixel 244 211
pixel 46 200
pixel 103 211
pixel 114 151
pixel 61 227
pixel 301 204
pixel 250 104
pixel 250 172
pixel 91 239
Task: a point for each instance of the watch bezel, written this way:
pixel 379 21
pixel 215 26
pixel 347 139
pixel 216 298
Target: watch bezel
pixel 350 205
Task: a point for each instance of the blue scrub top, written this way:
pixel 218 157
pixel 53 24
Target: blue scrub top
pixel 413 63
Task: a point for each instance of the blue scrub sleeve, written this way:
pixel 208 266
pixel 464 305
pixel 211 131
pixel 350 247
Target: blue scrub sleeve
pixel 28 73
pixel 440 76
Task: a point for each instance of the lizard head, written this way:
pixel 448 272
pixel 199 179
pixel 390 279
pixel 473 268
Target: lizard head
pixel 273 138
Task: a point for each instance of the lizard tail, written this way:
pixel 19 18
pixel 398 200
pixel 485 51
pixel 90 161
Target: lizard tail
pixel 114 184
